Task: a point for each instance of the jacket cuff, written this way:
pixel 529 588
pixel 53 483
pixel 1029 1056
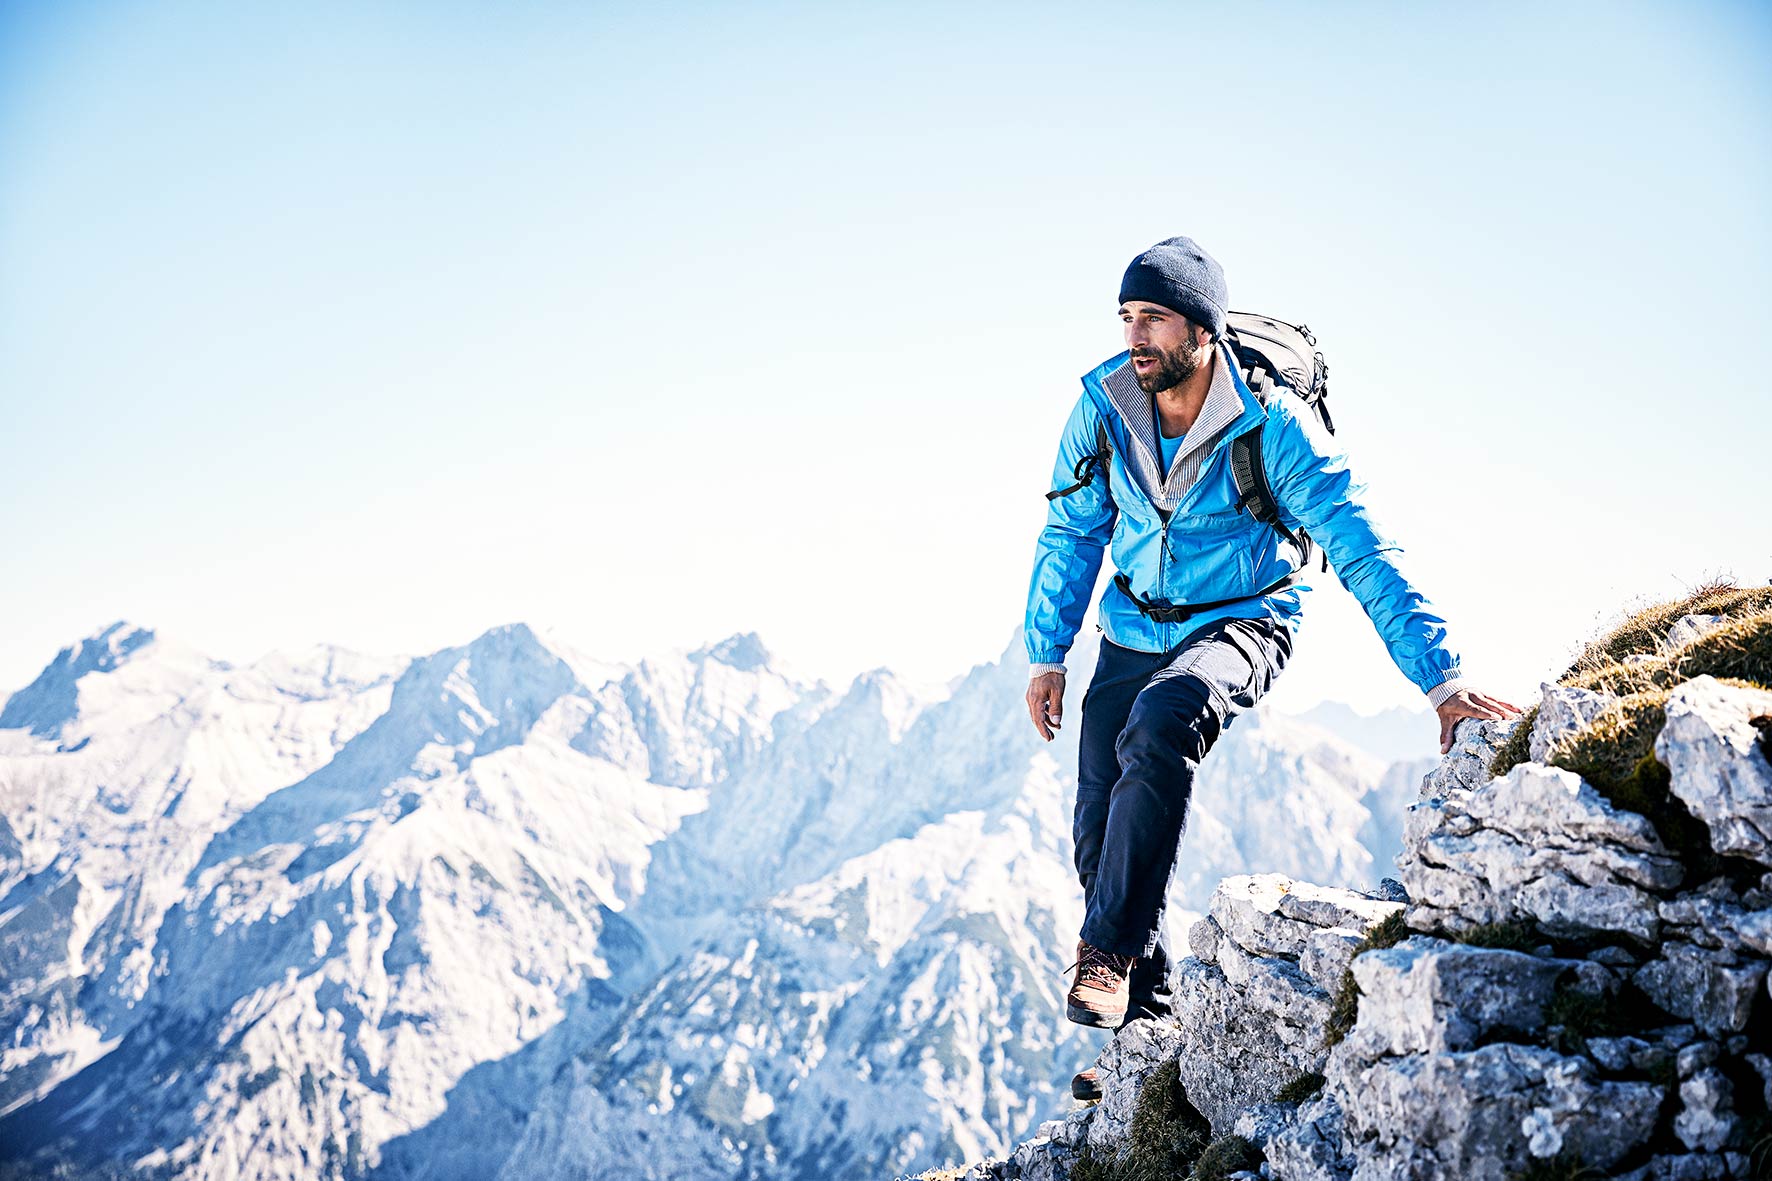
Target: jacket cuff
pixel 1035 670
pixel 1446 688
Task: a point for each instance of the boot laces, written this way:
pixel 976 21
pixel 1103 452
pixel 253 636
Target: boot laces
pixel 1101 969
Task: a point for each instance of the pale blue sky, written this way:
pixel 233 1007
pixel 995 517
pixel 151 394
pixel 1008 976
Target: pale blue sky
pixel 385 324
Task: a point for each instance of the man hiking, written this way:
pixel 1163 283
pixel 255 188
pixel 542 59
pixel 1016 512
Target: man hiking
pixel 1200 619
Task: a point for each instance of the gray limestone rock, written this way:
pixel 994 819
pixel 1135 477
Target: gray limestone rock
pixel 1614 956
pixel 1688 628
pixel 1273 985
pixel 1428 995
pixel 1697 1166
pixel 1203 939
pixel 1389 890
pixel 1327 953
pixel 1706 1117
pixel 1754 929
pixel 1328 906
pixel 1247 909
pixel 1536 844
pixel 1616 1054
pixel 1466 765
pixel 1039 1159
pixel 1562 713
pixel 1309 1147
pixel 1703 986
pixel 1712 751
pixel 1260 1122
pixel 1763 1067
pixel 1712 919
pixel 1536 803
pixel 1695 1057
pixel 1482 1114
pixel 1489 877
pixel 1246 1027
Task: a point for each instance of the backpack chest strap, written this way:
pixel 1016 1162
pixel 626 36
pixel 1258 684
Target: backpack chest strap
pixel 1163 611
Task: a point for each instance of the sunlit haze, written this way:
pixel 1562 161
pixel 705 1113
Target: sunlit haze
pixel 381 325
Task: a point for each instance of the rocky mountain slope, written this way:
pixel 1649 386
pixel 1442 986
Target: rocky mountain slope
pixel 509 910
pixel 1569 981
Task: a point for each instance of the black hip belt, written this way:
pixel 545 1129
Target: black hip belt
pixel 1166 612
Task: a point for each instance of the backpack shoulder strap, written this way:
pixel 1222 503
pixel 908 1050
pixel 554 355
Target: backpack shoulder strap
pixel 1248 469
pixel 1255 495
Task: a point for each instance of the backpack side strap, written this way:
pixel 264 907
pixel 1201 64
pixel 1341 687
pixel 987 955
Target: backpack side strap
pixel 1086 468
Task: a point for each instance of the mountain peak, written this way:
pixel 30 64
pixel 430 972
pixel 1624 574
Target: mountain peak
pixel 104 650
pixel 47 704
pixel 742 650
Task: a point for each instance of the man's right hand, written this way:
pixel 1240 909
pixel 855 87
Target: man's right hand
pixel 1046 703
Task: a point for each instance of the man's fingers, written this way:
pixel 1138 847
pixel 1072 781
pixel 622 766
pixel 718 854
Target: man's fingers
pixel 1045 700
pixel 1037 713
pixel 1491 702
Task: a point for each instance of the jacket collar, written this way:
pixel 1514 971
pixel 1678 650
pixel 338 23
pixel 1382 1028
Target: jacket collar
pixel 1229 410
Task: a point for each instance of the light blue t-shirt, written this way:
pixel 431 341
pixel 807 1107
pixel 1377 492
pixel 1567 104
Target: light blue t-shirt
pixel 1170 447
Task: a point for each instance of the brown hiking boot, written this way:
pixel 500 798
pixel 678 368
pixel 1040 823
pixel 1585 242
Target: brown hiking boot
pixel 1099 994
pixel 1086 1085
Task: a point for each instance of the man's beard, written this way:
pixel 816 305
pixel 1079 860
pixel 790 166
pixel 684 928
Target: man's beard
pixel 1172 369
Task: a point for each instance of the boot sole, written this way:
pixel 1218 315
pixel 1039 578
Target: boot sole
pixel 1087 1094
pixel 1084 1016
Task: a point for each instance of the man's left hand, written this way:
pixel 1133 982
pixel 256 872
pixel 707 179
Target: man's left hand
pixel 1467 703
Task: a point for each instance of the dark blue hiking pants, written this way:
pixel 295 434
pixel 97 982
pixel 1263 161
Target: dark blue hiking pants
pixel 1148 720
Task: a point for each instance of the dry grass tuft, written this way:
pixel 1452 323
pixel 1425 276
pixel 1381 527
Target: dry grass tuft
pixel 1628 661
pixel 1642 632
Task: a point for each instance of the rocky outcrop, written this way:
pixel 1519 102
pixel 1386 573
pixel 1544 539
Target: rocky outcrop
pixel 1710 746
pixel 1557 984
pixel 1539 845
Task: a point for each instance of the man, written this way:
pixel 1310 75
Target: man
pixel 1170 679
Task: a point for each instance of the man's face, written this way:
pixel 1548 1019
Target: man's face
pixel 1162 343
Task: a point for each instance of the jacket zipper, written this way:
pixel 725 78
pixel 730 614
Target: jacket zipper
pixel 1193 493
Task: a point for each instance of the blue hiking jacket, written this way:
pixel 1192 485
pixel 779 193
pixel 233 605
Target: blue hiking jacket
pixel 1208 549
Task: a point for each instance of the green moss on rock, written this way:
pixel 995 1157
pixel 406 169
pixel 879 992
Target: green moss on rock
pixel 1301 1088
pixel 1344 1006
pixel 1516 935
pixel 1615 753
pixel 1165 1140
pixel 1518 747
pixel 1574 1015
pixel 1562 1167
pixel 1227 1155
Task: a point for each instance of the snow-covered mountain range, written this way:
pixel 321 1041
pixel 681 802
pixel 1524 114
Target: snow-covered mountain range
pixel 508 910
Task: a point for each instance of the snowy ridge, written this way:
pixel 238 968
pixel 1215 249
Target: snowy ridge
pixel 507 909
